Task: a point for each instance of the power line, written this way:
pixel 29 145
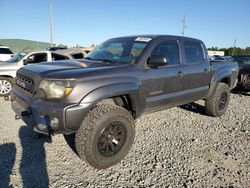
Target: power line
pixel 51 25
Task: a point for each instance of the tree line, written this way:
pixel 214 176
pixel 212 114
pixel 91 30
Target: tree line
pixel 232 50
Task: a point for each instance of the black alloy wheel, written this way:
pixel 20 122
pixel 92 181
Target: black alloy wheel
pixel 112 139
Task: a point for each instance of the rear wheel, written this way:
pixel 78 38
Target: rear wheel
pixel 105 136
pixel 217 104
pixel 5 86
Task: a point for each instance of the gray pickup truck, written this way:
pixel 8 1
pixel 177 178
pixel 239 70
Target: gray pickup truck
pixel 98 98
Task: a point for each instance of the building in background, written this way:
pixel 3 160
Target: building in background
pixel 215 53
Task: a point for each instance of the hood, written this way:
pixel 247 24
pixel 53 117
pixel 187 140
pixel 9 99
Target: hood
pixel 67 68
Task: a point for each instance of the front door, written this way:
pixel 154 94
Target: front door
pixel 163 85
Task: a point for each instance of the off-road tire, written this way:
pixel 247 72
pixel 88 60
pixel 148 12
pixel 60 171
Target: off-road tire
pixel 95 124
pixel 9 83
pixel 221 96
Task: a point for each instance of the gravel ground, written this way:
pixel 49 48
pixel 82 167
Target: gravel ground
pixel 178 147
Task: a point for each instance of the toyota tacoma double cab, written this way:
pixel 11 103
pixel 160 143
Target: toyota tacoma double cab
pixel 98 98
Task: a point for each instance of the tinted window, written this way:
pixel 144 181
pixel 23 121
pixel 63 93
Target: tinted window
pixel 57 57
pixel 170 50
pixel 5 51
pixel 78 56
pixel 193 52
pixel 37 58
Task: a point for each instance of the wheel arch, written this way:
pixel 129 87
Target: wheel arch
pixel 226 79
pixel 7 76
pixel 125 95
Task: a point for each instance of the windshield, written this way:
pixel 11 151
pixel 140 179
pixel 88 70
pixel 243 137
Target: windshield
pixel 241 59
pixel 17 57
pixel 124 51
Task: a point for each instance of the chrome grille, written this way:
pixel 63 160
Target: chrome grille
pixel 26 83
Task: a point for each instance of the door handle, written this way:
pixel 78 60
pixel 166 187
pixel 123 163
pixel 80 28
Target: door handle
pixel 205 70
pixel 180 74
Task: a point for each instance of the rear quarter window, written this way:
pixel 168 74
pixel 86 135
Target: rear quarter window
pixel 57 57
pixel 78 56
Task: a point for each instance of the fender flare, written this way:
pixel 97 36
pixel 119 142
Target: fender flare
pixel 114 90
pixel 216 80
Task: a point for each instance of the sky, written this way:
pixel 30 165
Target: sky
pixel 217 22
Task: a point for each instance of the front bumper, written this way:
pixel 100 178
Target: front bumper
pixel 49 117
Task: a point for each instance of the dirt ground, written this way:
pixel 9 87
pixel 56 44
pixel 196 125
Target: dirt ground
pixel 178 147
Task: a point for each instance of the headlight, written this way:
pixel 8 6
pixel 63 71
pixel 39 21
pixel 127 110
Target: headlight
pixel 57 89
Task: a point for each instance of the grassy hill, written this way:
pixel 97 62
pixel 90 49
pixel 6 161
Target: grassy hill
pixel 18 45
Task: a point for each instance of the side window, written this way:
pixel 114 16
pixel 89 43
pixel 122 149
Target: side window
pixel 193 52
pixel 57 57
pixel 78 56
pixel 37 58
pixel 5 51
pixel 170 50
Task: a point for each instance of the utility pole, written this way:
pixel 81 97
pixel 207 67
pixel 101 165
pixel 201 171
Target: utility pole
pixel 51 25
pixel 234 46
pixel 183 25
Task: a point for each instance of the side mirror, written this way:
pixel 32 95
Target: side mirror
pixel 157 61
pixel 25 62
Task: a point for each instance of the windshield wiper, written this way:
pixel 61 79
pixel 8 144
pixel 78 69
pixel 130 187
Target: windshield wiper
pixel 108 61
pixel 104 60
pixel 89 58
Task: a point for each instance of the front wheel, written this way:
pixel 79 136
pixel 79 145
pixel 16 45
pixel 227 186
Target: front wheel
pixel 105 136
pixel 5 86
pixel 217 104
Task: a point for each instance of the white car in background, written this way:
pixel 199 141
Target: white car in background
pixel 8 68
pixel 5 53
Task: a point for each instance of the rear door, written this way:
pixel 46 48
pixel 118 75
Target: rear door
pixel 163 86
pixel 197 70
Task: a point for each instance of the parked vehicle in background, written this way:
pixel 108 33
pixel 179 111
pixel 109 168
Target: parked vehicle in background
pixel 244 71
pixel 74 53
pixel 56 48
pixel 218 58
pixel 8 68
pixel 226 57
pixel 5 53
pixel 122 79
